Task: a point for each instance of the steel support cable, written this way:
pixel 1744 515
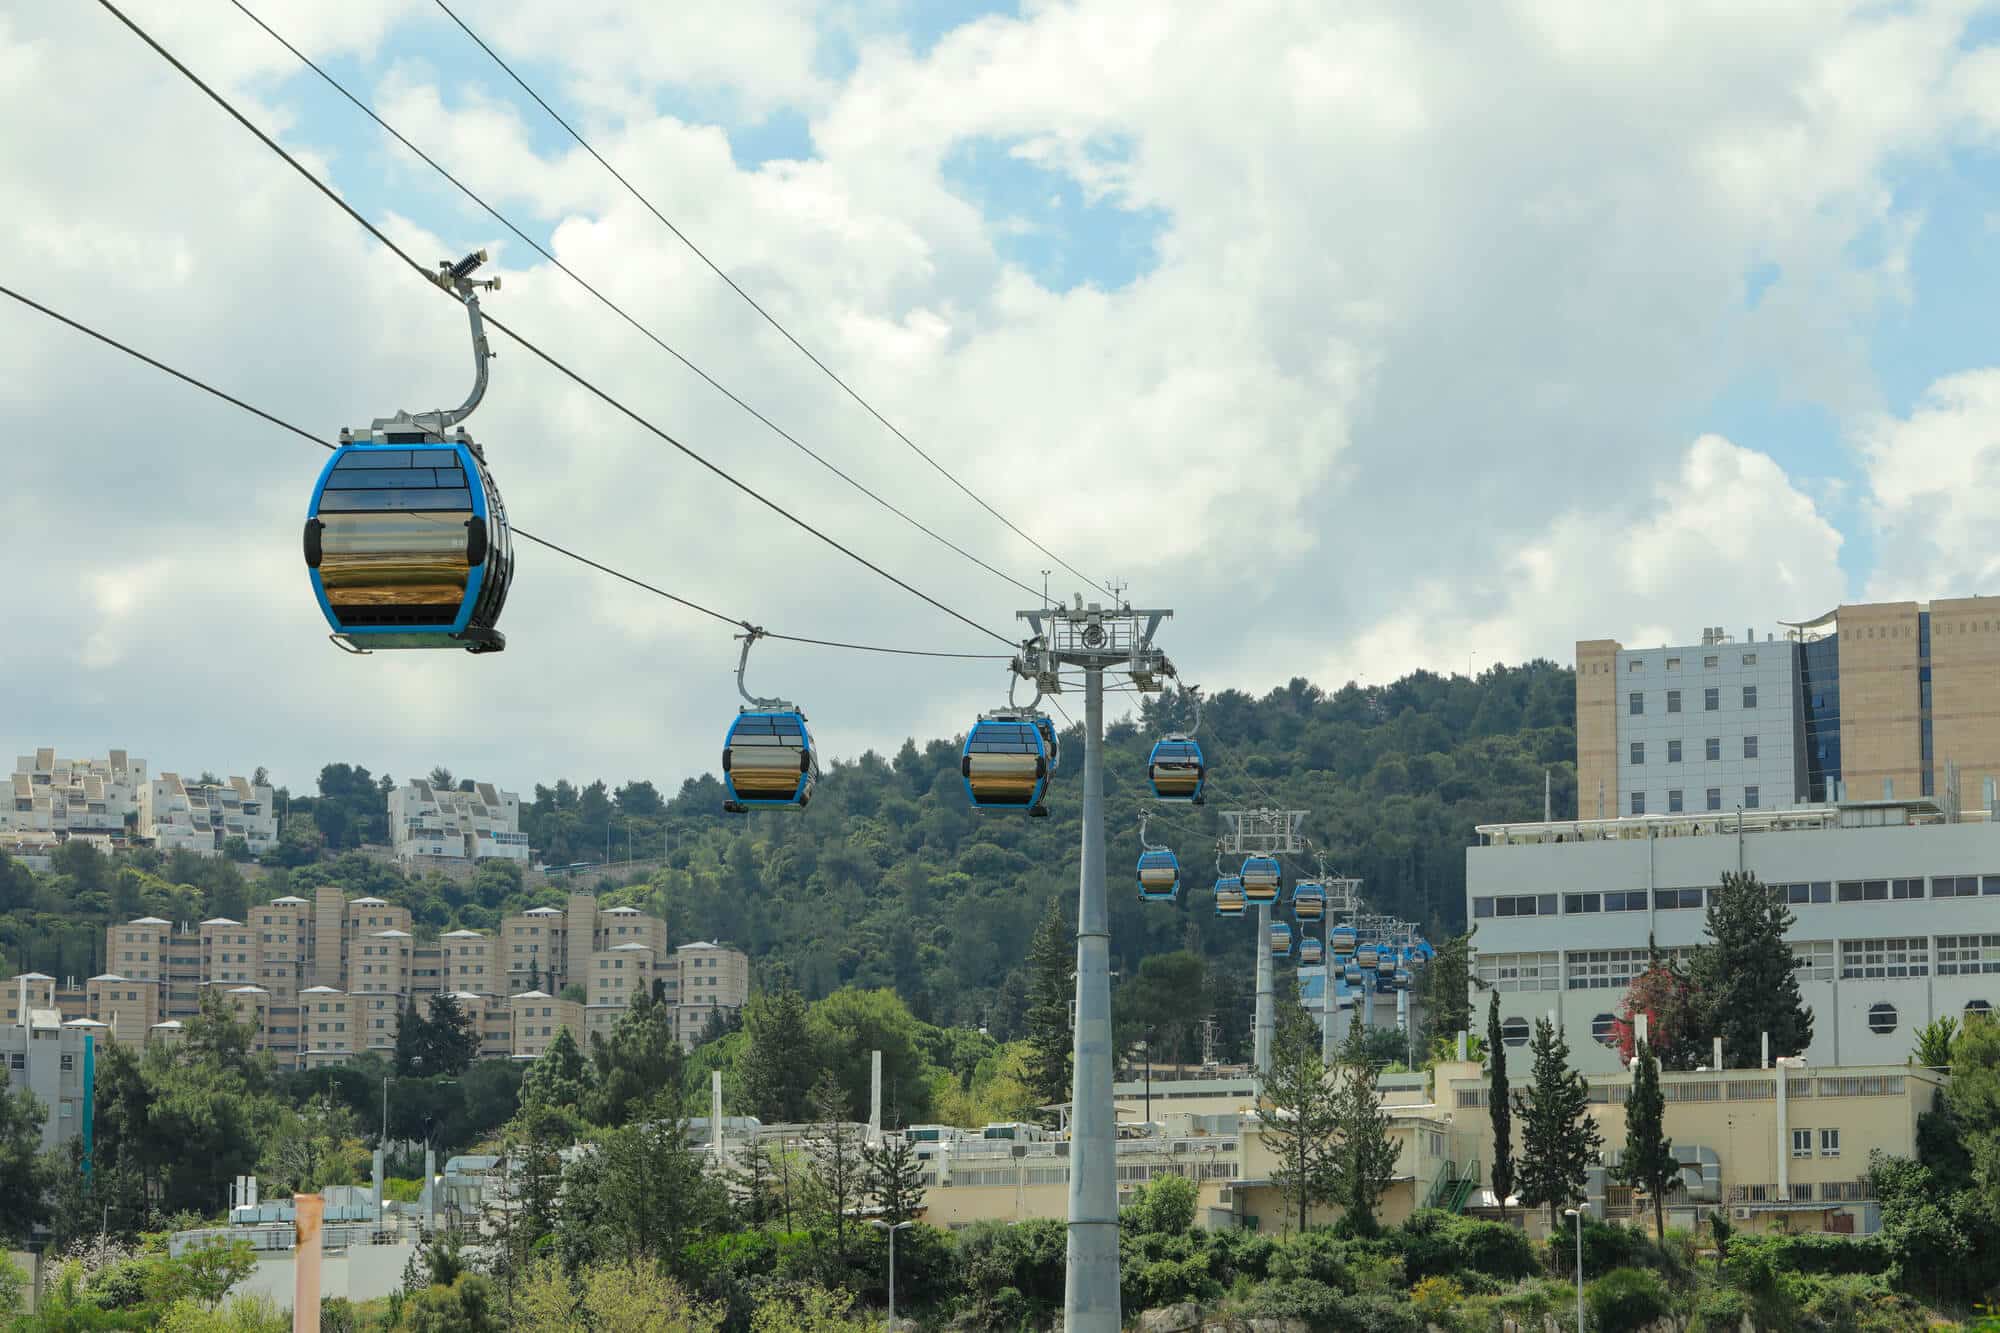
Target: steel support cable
pixel 619 310
pixel 770 319
pixel 521 340
pixel 524 534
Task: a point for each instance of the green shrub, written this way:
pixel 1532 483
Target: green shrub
pixel 1817 1252
pixel 1313 1254
pixel 1166 1206
pixel 1855 1301
pixel 1625 1299
pixel 1296 1298
pixel 1434 1244
pixel 1529 1303
pixel 1719 1310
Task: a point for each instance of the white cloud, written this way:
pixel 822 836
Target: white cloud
pixel 1433 305
pixel 1934 477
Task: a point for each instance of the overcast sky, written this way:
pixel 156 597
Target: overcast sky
pixel 1366 337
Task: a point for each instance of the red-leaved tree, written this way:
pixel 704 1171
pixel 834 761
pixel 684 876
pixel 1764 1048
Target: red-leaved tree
pixel 1665 995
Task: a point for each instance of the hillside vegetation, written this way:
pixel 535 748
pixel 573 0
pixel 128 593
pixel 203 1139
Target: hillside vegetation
pixel 890 880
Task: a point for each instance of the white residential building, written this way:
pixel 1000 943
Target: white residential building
pixel 53 798
pixel 196 817
pixel 1897 909
pixel 484 823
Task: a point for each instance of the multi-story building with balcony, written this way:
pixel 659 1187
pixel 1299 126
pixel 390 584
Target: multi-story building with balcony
pixel 428 823
pixel 178 815
pixel 714 984
pixel 53 799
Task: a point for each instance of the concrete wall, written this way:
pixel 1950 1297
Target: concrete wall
pixel 1879 699
pixel 360 1273
pixel 1596 728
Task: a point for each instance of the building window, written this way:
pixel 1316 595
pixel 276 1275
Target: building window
pixel 1514 1032
pixel 1819 891
pixel 1668 900
pixel 1978 1009
pixel 1635 664
pixel 1673 752
pixel 1525 904
pixel 1829 1143
pixel 1673 701
pixel 1801 1143
pixel 1636 703
pixel 1954 886
pixel 1604 1029
pixel 1898 956
pixel 1749 747
pixel 1712 748
pixel 1638 803
pixel 1749 798
pixel 1711 661
pixel 1673 664
pixel 1967 955
pixel 1749 696
pixel 1711 699
pixel 1520 971
pixel 1715 798
pixel 1674 801
pixel 1638 752
pixel 1749 659
pixel 1813 959
pixel 1882 1018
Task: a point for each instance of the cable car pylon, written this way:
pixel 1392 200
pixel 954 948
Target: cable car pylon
pixel 1261 835
pixel 1096 639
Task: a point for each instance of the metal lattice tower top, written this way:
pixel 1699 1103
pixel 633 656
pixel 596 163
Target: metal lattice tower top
pixel 1264 832
pixel 1092 636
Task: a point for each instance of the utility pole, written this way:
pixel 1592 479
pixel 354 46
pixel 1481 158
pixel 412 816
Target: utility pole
pixel 1097 640
pixel 1264 832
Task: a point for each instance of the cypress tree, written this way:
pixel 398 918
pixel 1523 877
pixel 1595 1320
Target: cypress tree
pixel 1499 1106
pixel 1559 1141
pixel 1649 1153
pixel 1364 1154
pixel 1051 985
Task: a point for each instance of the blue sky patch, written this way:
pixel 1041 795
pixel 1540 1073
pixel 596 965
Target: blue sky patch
pixel 1043 221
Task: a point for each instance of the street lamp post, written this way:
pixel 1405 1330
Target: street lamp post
pixel 892 1230
pixel 1577 1218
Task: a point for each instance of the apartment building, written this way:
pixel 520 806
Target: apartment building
pixel 329 978
pixel 537 1016
pixel 179 815
pixel 50 1056
pixel 712 981
pixel 1869 701
pixel 1897 906
pixel 428 824
pixel 55 798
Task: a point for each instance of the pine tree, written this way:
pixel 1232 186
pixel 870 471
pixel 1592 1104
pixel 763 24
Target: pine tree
pixel 1559 1140
pixel 1363 1153
pixel 558 1078
pixel 1296 1110
pixel 451 1042
pixel 1649 1153
pixel 838 1167
pixel 1051 986
pixel 753 1187
pixel 640 1060
pixel 894 1174
pixel 1745 977
pixel 778 1065
pixel 1499 1106
pixel 410 1042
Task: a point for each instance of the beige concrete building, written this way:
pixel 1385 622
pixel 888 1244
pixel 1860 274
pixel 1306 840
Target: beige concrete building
pixel 177 815
pixel 1873 701
pixel 713 980
pixel 433 826
pixel 537 1017
pixel 127 1007
pixel 329 978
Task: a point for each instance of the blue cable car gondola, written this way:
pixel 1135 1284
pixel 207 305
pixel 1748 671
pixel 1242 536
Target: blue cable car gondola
pixel 1006 764
pixel 1385 964
pixel 1311 952
pixel 1159 875
pixel 1365 955
pixel 1229 896
pixel 768 757
pixel 1281 940
pixel 1261 877
pixel 1176 767
pixel 1351 974
pixel 1402 978
pixel 1340 939
pixel 1176 770
pixel 1051 742
pixel 1308 900
pixel 406 541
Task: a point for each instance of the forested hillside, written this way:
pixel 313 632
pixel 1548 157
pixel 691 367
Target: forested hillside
pixel 890 879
